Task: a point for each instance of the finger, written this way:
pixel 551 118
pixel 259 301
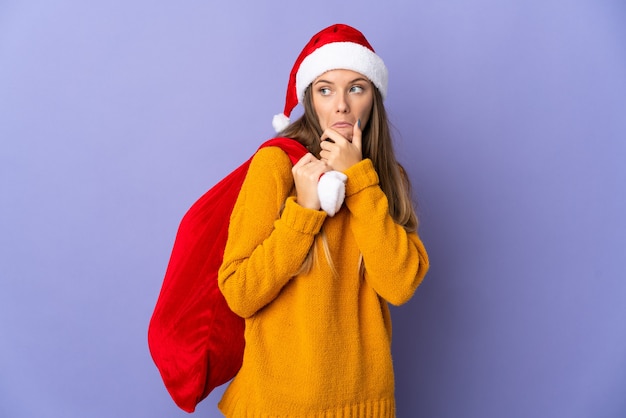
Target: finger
pixel 319 169
pixel 328 145
pixel 332 136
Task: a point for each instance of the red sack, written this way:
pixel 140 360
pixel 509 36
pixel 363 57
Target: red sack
pixel 195 340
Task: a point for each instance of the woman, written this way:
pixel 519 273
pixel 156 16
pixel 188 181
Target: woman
pixel 312 288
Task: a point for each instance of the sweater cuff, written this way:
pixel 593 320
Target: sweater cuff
pixel 360 176
pixel 306 221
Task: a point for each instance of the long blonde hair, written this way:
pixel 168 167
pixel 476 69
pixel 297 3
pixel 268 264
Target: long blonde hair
pixel 378 147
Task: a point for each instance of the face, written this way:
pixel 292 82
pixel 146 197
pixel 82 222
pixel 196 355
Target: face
pixel 340 99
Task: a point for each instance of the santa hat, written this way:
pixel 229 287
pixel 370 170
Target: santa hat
pixel 336 47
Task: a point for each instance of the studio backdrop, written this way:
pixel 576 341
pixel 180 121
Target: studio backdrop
pixel 510 118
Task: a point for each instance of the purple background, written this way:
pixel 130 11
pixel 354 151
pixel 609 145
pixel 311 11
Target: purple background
pixel 511 117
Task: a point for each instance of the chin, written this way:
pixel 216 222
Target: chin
pixel 346 133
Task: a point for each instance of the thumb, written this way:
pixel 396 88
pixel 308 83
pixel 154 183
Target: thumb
pixel 357 134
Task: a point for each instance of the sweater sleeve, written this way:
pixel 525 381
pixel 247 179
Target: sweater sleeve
pixel 265 247
pixel 395 261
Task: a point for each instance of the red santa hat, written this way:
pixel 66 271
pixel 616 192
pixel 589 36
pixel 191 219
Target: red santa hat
pixel 336 47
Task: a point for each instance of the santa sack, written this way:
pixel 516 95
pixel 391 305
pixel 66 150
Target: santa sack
pixel 195 340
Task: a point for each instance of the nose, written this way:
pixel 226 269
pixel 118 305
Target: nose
pixel 342 104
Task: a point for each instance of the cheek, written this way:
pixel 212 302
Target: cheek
pixel 322 114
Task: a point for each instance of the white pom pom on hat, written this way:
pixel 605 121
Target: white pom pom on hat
pixel 331 190
pixel 336 47
pixel 280 122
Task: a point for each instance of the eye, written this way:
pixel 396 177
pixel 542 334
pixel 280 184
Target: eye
pixel 324 91
pixel 356 89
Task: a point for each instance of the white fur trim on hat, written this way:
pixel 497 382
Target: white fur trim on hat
pixel 346 56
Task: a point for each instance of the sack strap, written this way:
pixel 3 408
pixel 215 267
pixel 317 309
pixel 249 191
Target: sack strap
pixel 292 148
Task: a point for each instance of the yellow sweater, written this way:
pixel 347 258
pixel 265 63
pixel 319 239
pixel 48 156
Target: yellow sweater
pixel 317 345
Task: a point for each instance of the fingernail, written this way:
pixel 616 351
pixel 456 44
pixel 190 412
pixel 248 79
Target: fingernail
pixel 358 123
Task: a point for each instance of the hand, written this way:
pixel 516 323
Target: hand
pixel 339 152
pixel 306 173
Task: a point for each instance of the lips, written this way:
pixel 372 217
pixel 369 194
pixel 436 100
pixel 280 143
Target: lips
pixel 342 124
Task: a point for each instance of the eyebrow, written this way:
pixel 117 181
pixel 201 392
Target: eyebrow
pixel 350 82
